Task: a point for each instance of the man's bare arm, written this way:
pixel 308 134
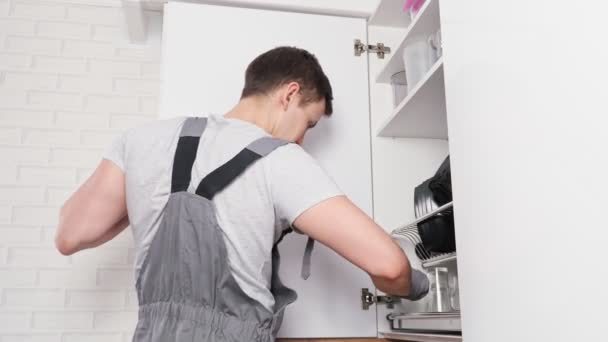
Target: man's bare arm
pixel 95 213
pixel 343 227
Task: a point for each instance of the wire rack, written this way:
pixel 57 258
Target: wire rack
pixel 409 232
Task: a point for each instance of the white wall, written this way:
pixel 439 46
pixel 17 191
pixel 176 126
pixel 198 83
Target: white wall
pixel 69 81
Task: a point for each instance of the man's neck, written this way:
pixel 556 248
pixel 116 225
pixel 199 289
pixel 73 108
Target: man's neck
pixel 255 110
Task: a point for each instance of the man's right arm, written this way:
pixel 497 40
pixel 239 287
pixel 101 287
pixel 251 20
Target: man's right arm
pixel 306 197
pixel 339 224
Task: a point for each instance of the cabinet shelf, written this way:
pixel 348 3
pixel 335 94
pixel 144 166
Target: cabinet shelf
pixel 390 13
pixel 422 113
pixel 425 23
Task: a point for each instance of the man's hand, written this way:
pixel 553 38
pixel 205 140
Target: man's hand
pixel 95 213
pixel 419 286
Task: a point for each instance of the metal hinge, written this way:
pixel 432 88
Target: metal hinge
pixel 379 49
pixel 368 299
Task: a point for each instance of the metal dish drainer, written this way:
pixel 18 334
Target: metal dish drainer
pixel 409 232
pixel 446 325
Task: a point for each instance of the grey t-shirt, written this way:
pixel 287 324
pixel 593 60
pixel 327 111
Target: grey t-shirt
pixel 252 211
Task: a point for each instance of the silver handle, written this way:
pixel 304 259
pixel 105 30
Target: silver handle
pixel 423 315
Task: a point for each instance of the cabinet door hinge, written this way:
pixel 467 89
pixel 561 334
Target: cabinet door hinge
pixel 379 49
pixel 368 299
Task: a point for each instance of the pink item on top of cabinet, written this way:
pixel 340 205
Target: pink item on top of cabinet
pixel 413 6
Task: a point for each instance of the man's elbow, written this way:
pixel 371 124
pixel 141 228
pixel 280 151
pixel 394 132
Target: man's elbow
pixel 65 245
pixel 396 271
pixel 393 270
pixel 64 242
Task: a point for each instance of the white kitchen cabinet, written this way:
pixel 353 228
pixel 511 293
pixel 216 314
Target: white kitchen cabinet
pixel 523 124
pixel 205 52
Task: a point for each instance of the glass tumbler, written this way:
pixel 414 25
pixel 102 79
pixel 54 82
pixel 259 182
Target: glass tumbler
pixel 436 51
pixel 399 84
pixel 454 292
pixel 439 291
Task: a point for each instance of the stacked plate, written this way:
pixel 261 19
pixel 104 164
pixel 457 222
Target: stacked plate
pixel 436 232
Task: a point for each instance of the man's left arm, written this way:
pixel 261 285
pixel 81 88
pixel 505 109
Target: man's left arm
pixel 95 213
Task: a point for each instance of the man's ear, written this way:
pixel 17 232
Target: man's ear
pixel 292 89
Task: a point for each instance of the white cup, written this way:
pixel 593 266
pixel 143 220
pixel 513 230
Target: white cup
pixel 417 60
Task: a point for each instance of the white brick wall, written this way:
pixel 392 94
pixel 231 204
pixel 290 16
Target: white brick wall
pixel 69 82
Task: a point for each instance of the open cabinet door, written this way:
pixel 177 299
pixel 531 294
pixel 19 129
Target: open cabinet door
pixel 527 115
pixel 206 50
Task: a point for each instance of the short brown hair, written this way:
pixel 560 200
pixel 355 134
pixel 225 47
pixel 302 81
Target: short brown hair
pixel 284 64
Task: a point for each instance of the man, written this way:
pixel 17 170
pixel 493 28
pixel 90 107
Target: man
pixel 209 199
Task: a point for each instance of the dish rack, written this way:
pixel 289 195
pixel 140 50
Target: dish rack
pixel 409 232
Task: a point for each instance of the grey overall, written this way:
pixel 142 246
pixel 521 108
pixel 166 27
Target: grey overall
pixel 185 288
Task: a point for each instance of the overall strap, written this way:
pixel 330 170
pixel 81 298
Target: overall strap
pixel 306 259
pixel 185 153
pixel 221 177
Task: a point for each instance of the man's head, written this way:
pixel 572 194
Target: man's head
pixel 296 86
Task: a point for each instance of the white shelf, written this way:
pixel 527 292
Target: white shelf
pixel 422 113
pixel 425 23
pixel 390 13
